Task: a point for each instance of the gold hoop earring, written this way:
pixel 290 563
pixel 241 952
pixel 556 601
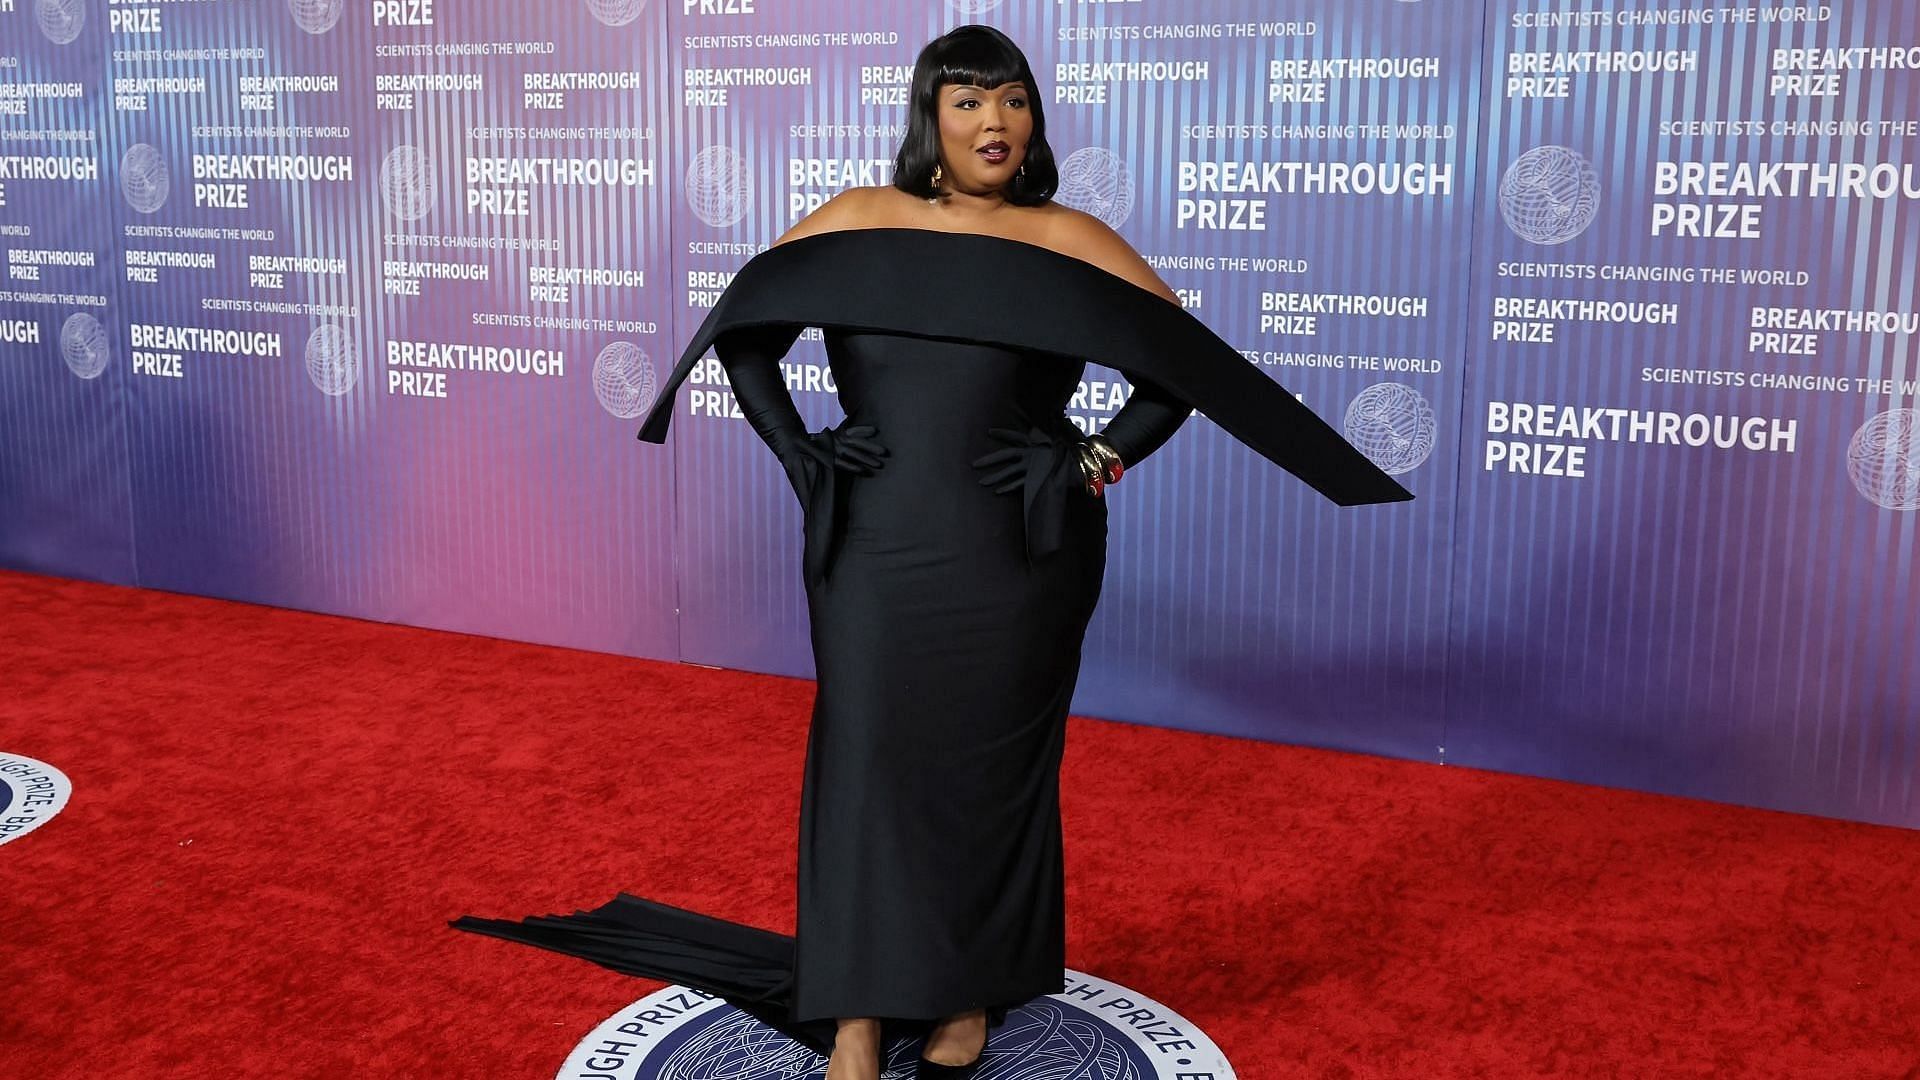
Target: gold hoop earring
pixel 936 174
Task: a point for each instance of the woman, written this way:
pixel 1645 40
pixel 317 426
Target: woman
pixel 954 550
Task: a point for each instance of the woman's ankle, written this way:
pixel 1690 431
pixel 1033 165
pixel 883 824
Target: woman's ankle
pixel 864 1028
pixel 945 1047
pixel 857 1051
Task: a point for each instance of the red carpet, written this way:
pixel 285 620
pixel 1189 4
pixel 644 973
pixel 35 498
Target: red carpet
pixel 275 813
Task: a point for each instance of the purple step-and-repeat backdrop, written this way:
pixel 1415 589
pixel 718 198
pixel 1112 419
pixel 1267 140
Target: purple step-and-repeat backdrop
pixel 352 306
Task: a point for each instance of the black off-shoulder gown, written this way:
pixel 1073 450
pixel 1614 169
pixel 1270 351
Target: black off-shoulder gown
pixel 947 620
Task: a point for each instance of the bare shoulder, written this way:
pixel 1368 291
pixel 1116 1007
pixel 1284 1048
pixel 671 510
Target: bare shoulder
pixel 854 208
pixel 1087 238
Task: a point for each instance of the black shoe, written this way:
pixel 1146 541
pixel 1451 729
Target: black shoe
pixel 933 1070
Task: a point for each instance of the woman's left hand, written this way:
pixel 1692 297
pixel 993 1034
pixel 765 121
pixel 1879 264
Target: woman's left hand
pixel 1045 467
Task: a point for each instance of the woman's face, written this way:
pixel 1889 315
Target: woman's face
pixel 975 122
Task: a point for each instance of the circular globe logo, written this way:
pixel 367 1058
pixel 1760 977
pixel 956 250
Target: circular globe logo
pixel 1549 195
pixel 719 186
pixel 406 183
pixel 1077 1034
pixel 1094 180
pixel 315 16
pixel 1883 459
pixel 31 792
pixel 1393 426
pixel 60 20
pixel 623 380
pixel 144 178
pixel 332 361
pixel 973 7
pixel 84 345
pixel 616 12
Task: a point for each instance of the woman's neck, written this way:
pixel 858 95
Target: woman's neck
pixel 967 204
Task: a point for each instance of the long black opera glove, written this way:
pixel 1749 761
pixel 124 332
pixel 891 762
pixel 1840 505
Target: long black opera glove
pixel 1145 422
pixel 815 463
pixel 1039 460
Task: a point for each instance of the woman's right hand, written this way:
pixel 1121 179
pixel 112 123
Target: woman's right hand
pixel 848 448
pixel 815 466
pixel 853 448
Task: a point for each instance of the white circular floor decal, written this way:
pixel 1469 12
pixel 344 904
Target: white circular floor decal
pixel 1091 1030
pixel 30 793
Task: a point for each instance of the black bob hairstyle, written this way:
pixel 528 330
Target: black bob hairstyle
pixel 979 56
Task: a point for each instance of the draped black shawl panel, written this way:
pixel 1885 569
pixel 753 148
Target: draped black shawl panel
pixel 991 290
